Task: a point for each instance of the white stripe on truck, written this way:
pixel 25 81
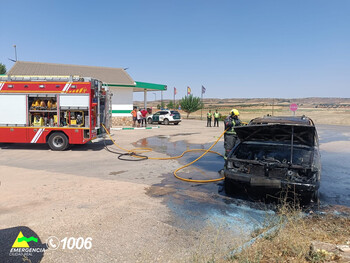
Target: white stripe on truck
pixel 37 135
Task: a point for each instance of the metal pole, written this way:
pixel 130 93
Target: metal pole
pixel 291 146
pixel 202 103
pixel 174 99
pixel 98 124
pixel 15 52
pixel 273 106
pixel 145 98
pixel 161 98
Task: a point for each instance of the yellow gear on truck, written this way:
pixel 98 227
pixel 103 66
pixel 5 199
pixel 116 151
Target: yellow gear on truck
pixel 49 104
pixel 38 121
pixel 36 103
pixel 42 104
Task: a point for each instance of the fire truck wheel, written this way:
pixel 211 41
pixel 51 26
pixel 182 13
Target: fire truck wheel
pixel 58 141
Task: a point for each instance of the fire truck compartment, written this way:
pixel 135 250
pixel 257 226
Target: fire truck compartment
pixel 73 101
pixel 42 110
pixel 13 110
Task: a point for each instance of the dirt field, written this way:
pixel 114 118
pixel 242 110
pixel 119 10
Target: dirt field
pixel 133 211
pixel 333 111
pixel 319 116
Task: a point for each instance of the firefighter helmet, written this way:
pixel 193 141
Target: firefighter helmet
pixel 37 103
pixel 42 104
pixel 49 104
pixel 234 112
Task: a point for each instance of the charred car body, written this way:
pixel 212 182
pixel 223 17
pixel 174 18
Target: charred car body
pixel 276 155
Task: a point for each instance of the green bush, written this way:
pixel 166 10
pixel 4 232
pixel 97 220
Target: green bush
pixel 191 104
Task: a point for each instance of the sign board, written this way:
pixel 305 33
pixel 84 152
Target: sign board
pixel 293 107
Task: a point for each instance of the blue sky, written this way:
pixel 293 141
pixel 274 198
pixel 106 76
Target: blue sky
pixel 236 48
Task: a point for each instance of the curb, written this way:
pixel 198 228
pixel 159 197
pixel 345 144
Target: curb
pixel 133 128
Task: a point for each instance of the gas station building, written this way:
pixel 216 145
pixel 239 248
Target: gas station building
pixel 118 80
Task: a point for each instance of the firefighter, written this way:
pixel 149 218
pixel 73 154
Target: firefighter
pixel 209 115
pixel 230 136
pixel 216 118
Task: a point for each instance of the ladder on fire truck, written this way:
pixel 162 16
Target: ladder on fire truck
pixel 42 78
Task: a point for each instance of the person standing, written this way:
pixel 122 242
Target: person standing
pixel 209 115
pixel 144 119
pixel 230 137
pixel 134 116
pixel 216 118
pixel 139 118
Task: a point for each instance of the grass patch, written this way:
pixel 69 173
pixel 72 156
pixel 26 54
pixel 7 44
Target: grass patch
pixel 292 242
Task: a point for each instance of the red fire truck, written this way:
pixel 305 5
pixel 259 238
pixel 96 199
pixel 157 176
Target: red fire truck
pixel 57 110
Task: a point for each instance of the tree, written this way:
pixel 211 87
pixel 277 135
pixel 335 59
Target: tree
pixel 191 104
pixel 2 69
pixel 171 105
pixel 161 106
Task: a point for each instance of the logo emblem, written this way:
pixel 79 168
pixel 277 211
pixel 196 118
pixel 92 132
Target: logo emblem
pixel 22 241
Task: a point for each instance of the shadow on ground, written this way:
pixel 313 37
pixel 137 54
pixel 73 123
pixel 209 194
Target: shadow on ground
pixel 98 146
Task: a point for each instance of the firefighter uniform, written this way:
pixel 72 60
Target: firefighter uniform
pixel 216 118
pixel 230 137
pixel 209 115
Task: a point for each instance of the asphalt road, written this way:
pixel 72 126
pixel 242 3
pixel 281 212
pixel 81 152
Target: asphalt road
pixel 335 157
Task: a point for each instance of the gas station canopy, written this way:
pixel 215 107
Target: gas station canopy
pixel 141 86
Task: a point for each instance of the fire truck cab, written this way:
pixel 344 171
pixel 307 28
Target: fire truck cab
pixel 57 110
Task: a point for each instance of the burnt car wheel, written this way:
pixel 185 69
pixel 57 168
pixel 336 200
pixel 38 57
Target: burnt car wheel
pixel 316 197
pixel 229 187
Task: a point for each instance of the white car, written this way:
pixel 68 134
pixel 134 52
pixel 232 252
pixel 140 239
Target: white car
pixel 165 117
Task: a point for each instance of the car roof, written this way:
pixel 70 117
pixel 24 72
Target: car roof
pixel 167 111
pixel 292 120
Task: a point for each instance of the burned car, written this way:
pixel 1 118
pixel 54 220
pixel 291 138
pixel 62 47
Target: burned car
pixel 276 155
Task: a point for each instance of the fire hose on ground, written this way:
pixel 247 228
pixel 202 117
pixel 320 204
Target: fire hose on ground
pixel 137 154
